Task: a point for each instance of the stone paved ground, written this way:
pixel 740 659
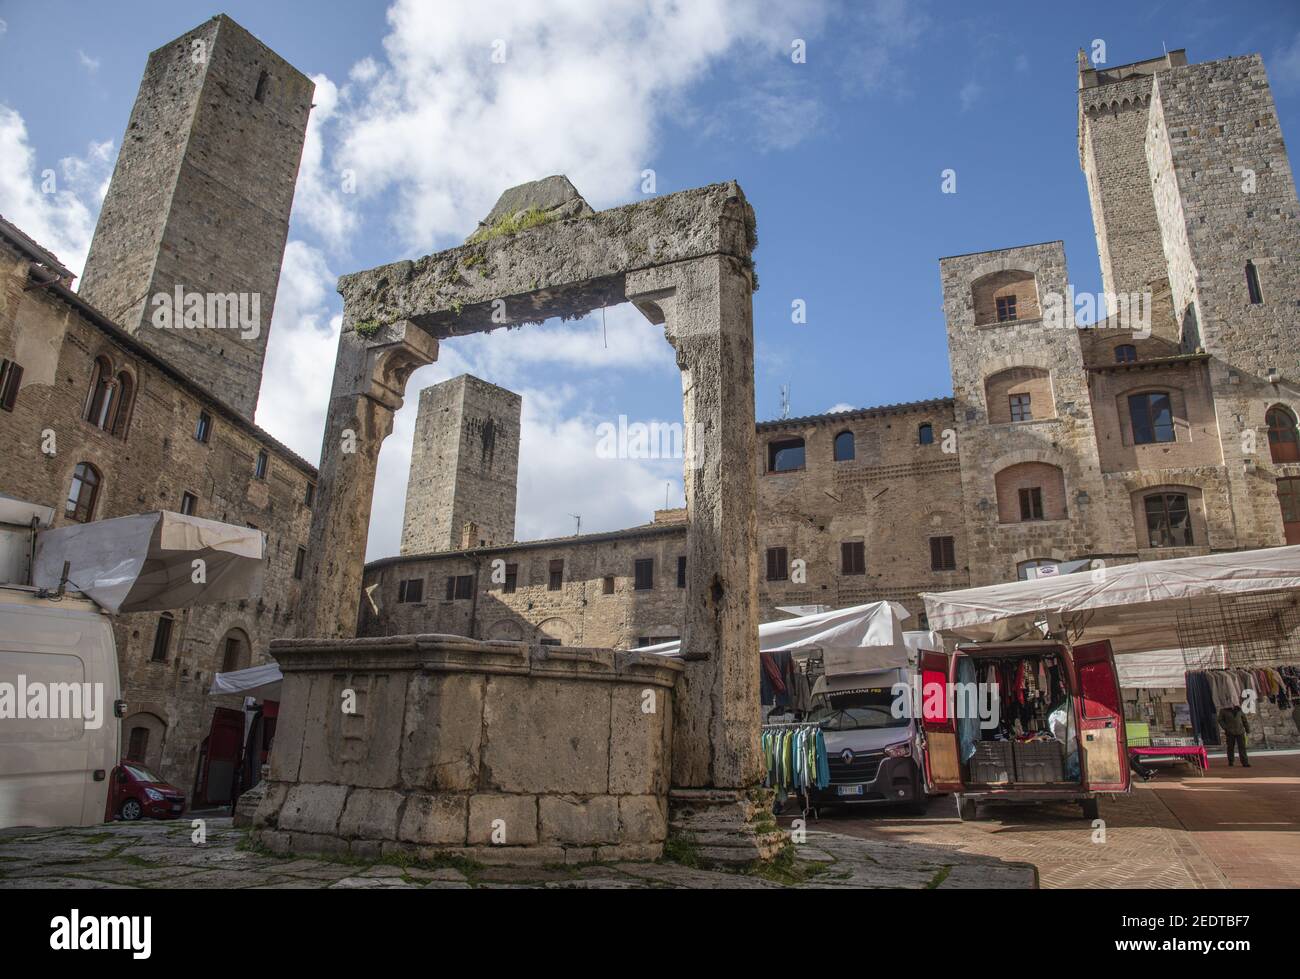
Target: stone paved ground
pixel 161 854
pixel 1232 827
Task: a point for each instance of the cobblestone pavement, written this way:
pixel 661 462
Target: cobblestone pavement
pixel 161 854
pixel 1231 827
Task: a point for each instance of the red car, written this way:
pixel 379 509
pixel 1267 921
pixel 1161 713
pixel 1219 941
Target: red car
pixel 134 791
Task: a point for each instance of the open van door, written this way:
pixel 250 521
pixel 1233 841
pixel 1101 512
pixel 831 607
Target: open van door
pixel 1103 749
pixel 942 763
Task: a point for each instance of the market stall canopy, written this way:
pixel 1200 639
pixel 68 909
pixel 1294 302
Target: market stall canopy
pixel 145 562
pixel 261 682
pixel 1135 606
pixel 857 639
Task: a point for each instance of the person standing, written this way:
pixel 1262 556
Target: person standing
pixel 1235 728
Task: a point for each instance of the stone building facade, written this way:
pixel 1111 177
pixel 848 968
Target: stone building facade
pixel 1165 427
pixel 104 415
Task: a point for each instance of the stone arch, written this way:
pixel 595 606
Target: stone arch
pixel 1042 481
pixel 556 627
pixel 234 650
pixel 146 748
pixel 1003 390
pixel 1017 287
pixel 506 629
pixel 1283 441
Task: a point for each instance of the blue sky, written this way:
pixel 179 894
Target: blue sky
pixel 841 157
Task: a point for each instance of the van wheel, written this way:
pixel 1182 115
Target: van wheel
pixel 1091 808
pixel 966 809
pixel 131 810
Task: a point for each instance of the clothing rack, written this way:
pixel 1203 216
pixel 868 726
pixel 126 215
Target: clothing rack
pixel 820 776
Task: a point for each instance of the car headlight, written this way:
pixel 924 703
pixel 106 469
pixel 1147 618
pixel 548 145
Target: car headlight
pixel 903 750
pixel 153 795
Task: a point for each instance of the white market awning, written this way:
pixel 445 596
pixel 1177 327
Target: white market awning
pixel 146 562
pixel 1135 606
pixel 261 682
pixel 859 639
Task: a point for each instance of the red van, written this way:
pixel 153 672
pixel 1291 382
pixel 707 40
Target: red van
pixel 1090 760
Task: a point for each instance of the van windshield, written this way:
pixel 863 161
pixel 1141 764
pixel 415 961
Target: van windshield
pixel 857 710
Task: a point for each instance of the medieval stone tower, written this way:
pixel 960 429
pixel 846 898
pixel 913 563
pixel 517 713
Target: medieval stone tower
pixel 1141 437
pixel 464 467
pixel 199 204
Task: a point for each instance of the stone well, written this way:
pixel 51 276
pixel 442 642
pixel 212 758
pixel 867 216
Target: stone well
pixel 496 751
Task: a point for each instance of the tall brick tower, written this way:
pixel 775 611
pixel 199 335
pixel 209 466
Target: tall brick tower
pixel 200 201
pixel 464 467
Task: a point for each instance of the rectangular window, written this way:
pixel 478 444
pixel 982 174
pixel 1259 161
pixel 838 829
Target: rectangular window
pixel 512 579
pixel 555 581
pixel 1152 415
pixel 259 471
pixel 681 571
pixel 189 504
pixel 309 495
pixel 1288 496
pixel 410 590
pixel 778 568
pixel 785 456
pixel 1169 522
pixel 853 557
pixel 1006 308
pixel 1020 410
pixel 461 587
pixel 607 584
pixel 11 376
pixel 203 428
pixel 644 573
pixel 162 638
pixel 1253 292
pixel 548 642
pixel 943 554
pixel 299 563
pixel 1031 503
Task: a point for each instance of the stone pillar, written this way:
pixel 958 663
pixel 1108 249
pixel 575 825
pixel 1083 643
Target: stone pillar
pixel 369 380
pixel 716 802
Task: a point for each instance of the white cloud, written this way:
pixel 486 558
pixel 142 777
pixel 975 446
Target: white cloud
pixel 888 28
pixel 51 204
pixel 300 352
pixel 970 94
pixel 320 200
pixel 87 62
pixel 1285 66
pixel 581 90
pixel 3 27
pixel 841 406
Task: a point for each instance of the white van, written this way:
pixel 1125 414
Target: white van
pixel 58 661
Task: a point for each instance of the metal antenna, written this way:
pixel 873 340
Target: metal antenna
pixel 577 517
pixel 668 488
pixel 785 401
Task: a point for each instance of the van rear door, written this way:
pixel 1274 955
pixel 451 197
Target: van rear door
pixel 1103 749
pixel 942 764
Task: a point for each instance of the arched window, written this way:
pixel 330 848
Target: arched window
pixel 83 493
pixel 845 449
pixel 1252 284
pixel 236 652
pixel 1152 417
pixel 1125 353
pixel 125 401
pixel 1282 442
pixel 99 404
pixel 1169 521
pixel 925 434
pixel 1030 491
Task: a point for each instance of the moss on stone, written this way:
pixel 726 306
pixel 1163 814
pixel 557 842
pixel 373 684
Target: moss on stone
pixel 512 224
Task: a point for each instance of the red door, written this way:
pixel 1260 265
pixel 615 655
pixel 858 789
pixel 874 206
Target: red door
pixel 942 762
pixel 225 741
pixel 1103 751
